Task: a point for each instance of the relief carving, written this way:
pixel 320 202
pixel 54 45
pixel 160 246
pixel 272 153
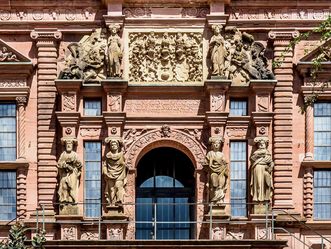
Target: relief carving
pixel 131 135
pixel 7 56
pixel 218 171
pixel 91 132
pixel 115 102
pixel 69 233
pixel 195 12
pixel 69 102
pixel 263 103
pixel 165 131
pixel 12 83
pixel 115 234
pixel 236 132
pixel 234 235
pixel 137 12
pixel 162 57
pixel 89 236
pixel 217 102
pixel 236 56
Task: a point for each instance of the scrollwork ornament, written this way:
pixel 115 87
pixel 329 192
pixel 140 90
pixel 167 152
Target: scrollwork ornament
pixel 21 101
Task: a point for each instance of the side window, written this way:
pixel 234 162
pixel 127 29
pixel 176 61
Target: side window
pixel 7 195
pixel 322 131
pixel 238 178
pixel 7 131
pixel 322 194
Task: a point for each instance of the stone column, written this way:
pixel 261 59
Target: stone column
pixel 21 191
pixel 46 42
pixel 308 192
pixel 309 120
pixel 21 103
pixel 283 127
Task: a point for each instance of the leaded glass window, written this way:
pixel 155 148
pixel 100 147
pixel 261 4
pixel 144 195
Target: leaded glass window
pixel 238 107
pixel 322 194
pixel 7 131
pixel 238 178
pixel 7 195
pixel 92 107
pixel 322 131
pixel 92 184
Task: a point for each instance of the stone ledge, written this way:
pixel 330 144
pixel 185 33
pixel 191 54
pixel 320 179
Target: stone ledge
pixel 222 244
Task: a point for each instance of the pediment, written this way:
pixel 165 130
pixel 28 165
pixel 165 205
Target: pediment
pixel 322 54
pixel 13 63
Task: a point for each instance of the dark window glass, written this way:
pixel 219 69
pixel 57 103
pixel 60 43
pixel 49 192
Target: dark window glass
pixel 92 107
pixel 322 131
pixel 322 194
pixel 7 195
pixel 7 132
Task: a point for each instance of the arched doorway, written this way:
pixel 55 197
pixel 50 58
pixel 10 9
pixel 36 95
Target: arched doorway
pixel 165 187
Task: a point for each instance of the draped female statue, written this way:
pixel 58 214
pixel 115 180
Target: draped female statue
pixel 218 171
pixel 69 170
pixel 261 171
pixel 115 172
pixel 218 51
pixel 114 52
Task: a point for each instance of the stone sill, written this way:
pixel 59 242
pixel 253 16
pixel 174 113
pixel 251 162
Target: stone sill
pixel 316 164
pixel 19 163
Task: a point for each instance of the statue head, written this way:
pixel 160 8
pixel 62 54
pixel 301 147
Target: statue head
pixel 216 29
pixel 115 144
pixel 114 29
pixel 262 142
pixel 216 142
pixel 69 143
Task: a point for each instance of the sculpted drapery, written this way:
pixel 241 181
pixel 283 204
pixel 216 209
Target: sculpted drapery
pixel 217 51
pixel 261 184
pixel 115 172
pixel 218 171
pixel 69 171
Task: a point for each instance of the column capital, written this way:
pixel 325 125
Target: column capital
pixel 21 101
pixel 46 34
pixel 283 34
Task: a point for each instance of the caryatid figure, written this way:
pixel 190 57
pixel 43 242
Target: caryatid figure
pixel 115 53
pixel 115 172
pixel 218 171
pixel 218 51
pixel 69 171
pixel 261 171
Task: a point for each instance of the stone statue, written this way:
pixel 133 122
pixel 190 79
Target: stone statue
pixel 6 55
pixel 85 60
pixel 70 168
pixel 114 52
pixel 115 172
pixel 218 51
pixel 218 171
pixel 261 171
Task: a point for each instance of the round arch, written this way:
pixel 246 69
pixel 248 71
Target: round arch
pixel 174 139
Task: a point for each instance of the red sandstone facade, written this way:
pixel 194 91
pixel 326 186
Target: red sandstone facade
pixel 49 108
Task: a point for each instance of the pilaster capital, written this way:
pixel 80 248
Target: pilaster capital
pixel 285 35
pixel 45 34
pixel 21 101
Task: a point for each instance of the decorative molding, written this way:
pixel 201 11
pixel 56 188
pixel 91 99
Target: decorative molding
pixel 89 236
pixel 137 12
pixel 49 15
pixel 308 192
pixel 283 34
pixel 217 102
pixel 237 132
pixel 91 132
pixel 282 14
pixel 201 12
pixel 147 12
pixel 69 233
pixel 12 83
pixel 46 34
pixel 115 104
pixel 69 102
pixel 175 136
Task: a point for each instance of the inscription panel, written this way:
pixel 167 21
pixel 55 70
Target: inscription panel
pixel 155 107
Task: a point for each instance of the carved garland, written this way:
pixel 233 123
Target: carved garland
pixel 194 147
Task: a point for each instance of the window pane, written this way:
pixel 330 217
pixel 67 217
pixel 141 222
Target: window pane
pixel 92 184
pixel 238 174
pixel 322 194
pixel 7 195
pixel 238 185
pixel 322 131
pixel 238 107
pixel 92 107
pixel 7 132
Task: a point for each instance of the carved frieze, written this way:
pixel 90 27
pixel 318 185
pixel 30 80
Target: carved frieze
pixel 69 101
pixel 165 57
pixel 146 12
pixel 55 14
pixel 278 14
pixel 89 236
pixel 69 233
pixel 7 56
pixel 91 132
pixel 162 106
pixel 236 132
pixel 12 83
pixel 137 12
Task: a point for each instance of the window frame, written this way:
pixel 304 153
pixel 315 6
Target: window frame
pixel 15 202
pixel 16 129
pixel 92 99
pixel 240 99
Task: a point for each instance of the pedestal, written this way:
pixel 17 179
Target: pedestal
pixel 261 208
pixel 262 226
pixel 116 222
pixel 69 209
pixel 218 219
pixel 70 227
